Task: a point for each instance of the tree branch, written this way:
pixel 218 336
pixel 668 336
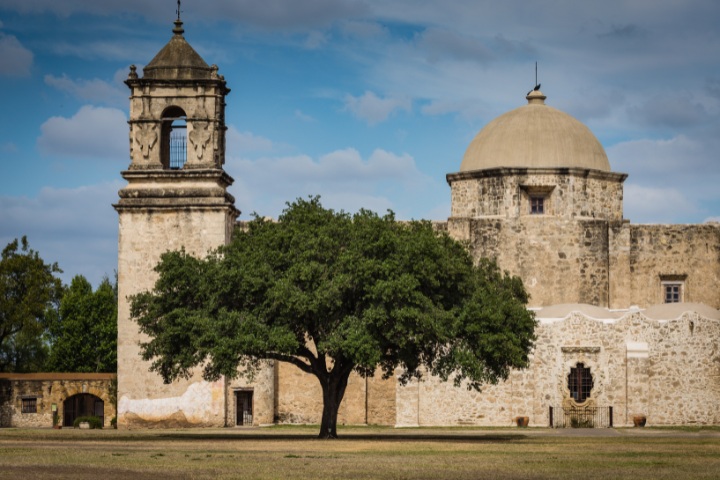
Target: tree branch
pixel 305 367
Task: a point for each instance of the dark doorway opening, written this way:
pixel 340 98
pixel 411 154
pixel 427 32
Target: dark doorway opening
pixel 82 405
pixel 244 407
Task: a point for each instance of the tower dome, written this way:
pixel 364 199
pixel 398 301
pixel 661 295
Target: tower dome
pixel 178 60
pixel 535 136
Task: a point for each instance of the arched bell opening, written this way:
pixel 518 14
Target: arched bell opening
pixel 173 152
pixel 82 405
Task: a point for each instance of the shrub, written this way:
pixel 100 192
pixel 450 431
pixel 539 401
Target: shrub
pixel 576 422
pixel 113 422
pixel 94 422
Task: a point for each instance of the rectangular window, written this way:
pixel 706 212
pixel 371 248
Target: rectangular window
pixel 29 405
pixel 537 205
pixel 672 292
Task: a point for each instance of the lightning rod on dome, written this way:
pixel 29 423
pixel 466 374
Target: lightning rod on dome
pixel 537 85
pixel 178 15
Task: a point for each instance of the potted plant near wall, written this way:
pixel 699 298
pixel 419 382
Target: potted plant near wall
pixel 56 421
pixel 55 416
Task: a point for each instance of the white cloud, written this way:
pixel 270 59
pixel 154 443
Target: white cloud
pixel 94 90
pixel 16 59
pixel 304 117
pixel 440 44
pixel 126 50
pixel 373 109
pixel 242 142
pixel 671 110
pixel 275 14
pixel 96 132
pixel 675 160
pixel 363 29
pixel 656 205
pixel 75 227
pixel 343 178
pixel 669 180
pixel 315 39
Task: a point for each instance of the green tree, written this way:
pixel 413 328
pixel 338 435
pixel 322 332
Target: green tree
pixel 28 289
pixel 84 334
pixel 331 294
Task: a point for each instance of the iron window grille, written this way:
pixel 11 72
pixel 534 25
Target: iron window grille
pixel 537 205
pixel 29 405
pixel 580 383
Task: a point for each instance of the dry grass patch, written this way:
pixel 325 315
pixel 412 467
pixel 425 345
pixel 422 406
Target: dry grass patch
pixel 362 453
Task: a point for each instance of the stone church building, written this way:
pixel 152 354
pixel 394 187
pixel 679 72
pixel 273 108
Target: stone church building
pixel 628 314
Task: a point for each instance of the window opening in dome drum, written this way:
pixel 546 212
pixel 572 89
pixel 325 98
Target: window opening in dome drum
pixel 537 205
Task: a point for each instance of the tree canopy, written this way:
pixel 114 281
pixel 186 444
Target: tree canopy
pixel 84 333
pixel 28 291
pixel 333 293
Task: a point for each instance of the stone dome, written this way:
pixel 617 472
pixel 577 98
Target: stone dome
pixel 178 60
pixel 535 136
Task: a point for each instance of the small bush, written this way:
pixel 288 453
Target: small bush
pixel 576 422
pixel 94 422
pixel 113 422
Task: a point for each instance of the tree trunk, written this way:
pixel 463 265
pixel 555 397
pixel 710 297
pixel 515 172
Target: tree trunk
pixel 333 391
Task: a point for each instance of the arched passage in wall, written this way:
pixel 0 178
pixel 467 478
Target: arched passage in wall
pixel 173 149
pixel 82 405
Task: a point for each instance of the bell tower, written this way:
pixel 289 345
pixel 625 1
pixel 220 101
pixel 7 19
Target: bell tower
pixel 176 197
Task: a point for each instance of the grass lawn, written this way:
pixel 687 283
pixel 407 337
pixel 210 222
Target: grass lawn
pixel 382 453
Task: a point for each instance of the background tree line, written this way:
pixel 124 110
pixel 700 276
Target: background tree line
pixel 51 327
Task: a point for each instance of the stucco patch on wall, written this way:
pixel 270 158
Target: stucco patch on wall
pixel 199 405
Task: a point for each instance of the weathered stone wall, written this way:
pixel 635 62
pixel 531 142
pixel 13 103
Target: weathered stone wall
pixel 49 389
pixel 645 254
pixel 203 103
pixel 366 401
pixel 668 371
pixel 263 388
pixel 506 192
pixel 144 400
pixel 565 259
pixel 559 260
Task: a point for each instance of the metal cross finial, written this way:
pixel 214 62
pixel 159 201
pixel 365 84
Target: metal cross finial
pixel 178 10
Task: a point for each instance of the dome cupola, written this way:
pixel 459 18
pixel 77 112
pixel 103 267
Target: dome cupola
pixel 535 136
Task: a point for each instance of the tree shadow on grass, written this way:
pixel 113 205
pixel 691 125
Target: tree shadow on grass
pixel 364 437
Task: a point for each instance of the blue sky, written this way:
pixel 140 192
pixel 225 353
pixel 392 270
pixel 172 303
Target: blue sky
pixel 366 102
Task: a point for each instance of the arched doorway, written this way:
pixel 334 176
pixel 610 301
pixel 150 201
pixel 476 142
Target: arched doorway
pixel 82 405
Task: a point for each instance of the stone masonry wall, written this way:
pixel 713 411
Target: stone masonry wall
pixel 263 388
pixel 568 193
pixel 144 400
pixel 675 381
pixel 559 260
pixel 366 401
pixel 49 389
pixel 645 254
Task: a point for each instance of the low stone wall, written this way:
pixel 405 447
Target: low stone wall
pixel 46 390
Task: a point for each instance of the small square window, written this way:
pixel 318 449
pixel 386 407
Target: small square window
pixel 537 205
pixel 672 292
pixel 29 405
